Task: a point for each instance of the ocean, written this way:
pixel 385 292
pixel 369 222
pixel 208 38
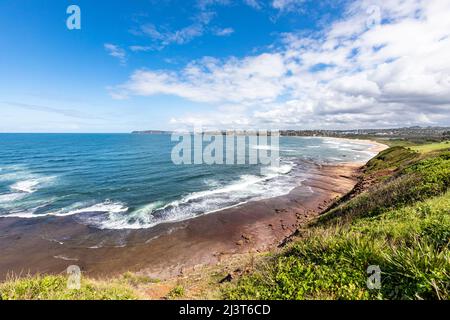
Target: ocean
pixel 128 181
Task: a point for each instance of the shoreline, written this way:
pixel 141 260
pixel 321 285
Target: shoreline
pixel 172 249
pixel 375 146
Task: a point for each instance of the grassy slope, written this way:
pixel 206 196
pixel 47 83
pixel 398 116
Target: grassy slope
pixel 432 147
pixel 401 223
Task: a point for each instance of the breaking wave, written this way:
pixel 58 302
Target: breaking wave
pixel 247 188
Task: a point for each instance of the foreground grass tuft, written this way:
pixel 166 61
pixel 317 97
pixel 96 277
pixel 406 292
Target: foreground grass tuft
pixel 55 288
pixel 176 293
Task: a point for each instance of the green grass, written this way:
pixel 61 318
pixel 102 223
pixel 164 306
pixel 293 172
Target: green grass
pixel 401 224
pixel 413 179
pixel 52 287
pixel 394 142
pixel 176 292
pixel 406 142
pixel 134 279
pixel 390 158
pixel 431 147
pixel 410 245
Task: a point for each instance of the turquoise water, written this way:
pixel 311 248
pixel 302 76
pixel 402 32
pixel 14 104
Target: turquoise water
pixel 125 181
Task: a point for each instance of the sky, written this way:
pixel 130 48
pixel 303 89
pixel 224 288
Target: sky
pixel 224 64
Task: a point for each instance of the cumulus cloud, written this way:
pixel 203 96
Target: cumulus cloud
pixel 247 81
pixel 385 63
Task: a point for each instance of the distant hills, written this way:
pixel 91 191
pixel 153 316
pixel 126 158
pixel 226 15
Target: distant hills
pixel 152 132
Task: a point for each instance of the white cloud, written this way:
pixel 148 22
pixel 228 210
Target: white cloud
pixel 116 52
pixel 248 80
pixel 353 74
pixel 141 48
pixel 223 32
pixel 163 36
pixel 204 4
pixel 255 4
pixel 287 5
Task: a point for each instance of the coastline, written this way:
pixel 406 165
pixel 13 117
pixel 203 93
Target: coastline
pixel 172 249
pixel 375 147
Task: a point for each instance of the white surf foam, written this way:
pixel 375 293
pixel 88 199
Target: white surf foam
pixel 247 188
pixel 62 257
pixel 28 186
pixel 265 147
pixel 104 207
pixel 10 197
pixel 282 169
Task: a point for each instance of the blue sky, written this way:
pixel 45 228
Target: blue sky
pixel 219 63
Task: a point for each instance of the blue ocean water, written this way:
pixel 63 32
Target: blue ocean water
pixel 127 181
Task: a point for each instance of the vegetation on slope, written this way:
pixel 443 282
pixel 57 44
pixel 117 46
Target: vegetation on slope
pixel 391 158
pixel 414 178
pixel 400 223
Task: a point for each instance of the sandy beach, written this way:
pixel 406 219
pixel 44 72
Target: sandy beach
pixel 51 244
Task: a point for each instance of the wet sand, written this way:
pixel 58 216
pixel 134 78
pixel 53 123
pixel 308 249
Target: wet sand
pixel 51 244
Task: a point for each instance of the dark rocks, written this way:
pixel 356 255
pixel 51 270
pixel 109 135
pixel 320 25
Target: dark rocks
pixel 289 239
pixel 228 278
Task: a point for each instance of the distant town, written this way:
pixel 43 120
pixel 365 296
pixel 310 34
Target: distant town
pixel 410 133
